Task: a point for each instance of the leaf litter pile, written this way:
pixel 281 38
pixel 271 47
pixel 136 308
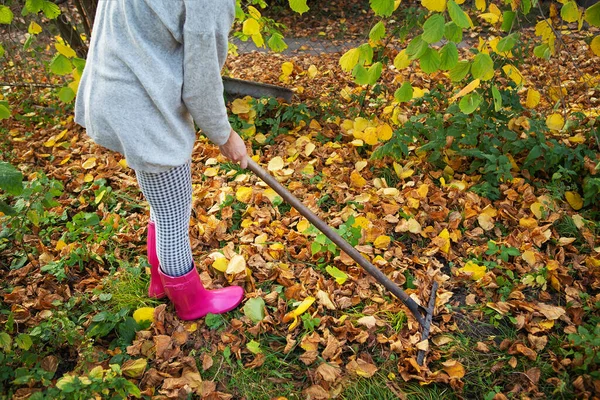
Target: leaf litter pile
pixel 517 275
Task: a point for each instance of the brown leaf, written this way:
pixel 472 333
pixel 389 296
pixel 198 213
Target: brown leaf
pixel 526 351
pixel 537 342
pixel 309 357
pixel 207 362
pixel 454 369
pixel 534 375
pixel 361 368
pixel 329 372
pixel 550 312
pixel 482 347
pixel 367 321
pixel 315 392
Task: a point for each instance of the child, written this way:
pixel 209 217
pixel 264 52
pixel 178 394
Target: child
pixel 153 69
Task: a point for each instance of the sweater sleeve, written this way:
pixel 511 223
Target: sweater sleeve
pixel 205 49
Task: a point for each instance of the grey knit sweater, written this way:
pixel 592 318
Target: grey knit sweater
pixel 154 67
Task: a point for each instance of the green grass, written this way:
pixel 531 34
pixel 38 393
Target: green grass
pixel 279 375
pixel 128 288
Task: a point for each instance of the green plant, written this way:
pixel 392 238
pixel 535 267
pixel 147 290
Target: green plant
pixel 504 252
pixel 322 243
pixel 119 324
pixel 309 322
pixel 587 342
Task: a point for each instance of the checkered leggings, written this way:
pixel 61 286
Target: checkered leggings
pixel 170 196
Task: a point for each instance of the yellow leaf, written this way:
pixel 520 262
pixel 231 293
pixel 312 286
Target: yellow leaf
pixel 210 172
pixel 240 106
pixel 34 28
pixel 261 239
pixel 287 68
pixel 574 200
pixel 254 12
pixel 270 194
pixel 454 369
pixel 480 5
pixel 60 245
pixel 360 124
pixel 220 264
pixel 65 50
pixel 529 257
pixel 258 39
pixel 89 163
pixel 533 98
pixel 100 196
pixel 236 265
pixel 445 236
pixel 312 71
pixel 495 10
pixel 244 194
pixel 144 314
pixel 513 73
pixel 418 92
pixel 555 122
pixel 490 18
pixel 401 172
pixel 384 132
pixel 275 164
pixel 529 223
pixel 434 5
pixel 370 136
pixel 251 27
pixel 360 165
pixel 310 147
pixel 595 45
pixel 467 89
pixel 134 368
pixel 401 60
pixel 414 226
pixel 361 221
pixel 382 242
pixel 301 309
pixel 88 178
pixel 474 270
pixel 356 180
pixel 303 225
pixel 349 60
pixel 537 209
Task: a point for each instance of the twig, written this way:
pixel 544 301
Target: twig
pixel 26 84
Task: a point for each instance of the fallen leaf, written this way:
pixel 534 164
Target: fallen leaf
pixel 276 164
pixel 236 265
pixel 454 369
pixel 367 321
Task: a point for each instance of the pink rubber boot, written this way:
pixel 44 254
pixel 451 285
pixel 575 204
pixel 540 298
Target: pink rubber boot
pixel 155 290
pixel 193 301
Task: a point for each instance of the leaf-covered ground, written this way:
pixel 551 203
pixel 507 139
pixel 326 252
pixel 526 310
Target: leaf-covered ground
pixel 518 276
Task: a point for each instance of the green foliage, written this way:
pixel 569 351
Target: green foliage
pixel 504 252
pixel 25 205
pixel 299 6
pixel 255 309
pixel 483 137
pixel 587 342
pixel 347 231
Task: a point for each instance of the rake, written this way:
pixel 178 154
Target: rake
pixel 422 315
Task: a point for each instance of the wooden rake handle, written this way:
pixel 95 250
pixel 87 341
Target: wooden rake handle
pixel 421 314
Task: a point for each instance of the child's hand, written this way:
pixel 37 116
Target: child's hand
pixel 235 149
